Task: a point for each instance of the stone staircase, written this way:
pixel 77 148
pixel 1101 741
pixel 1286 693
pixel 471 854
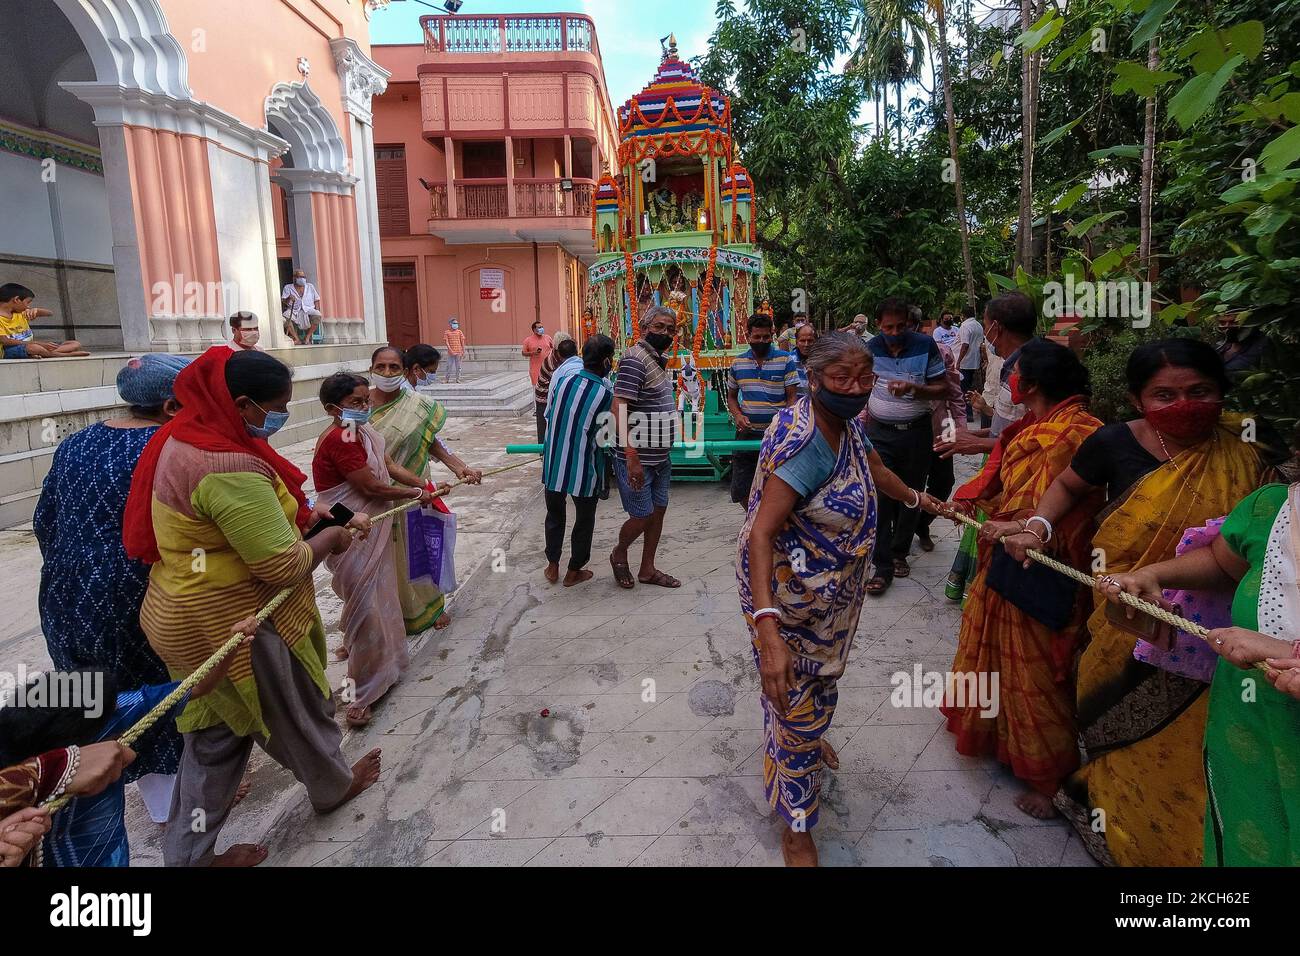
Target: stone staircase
pixel 490 395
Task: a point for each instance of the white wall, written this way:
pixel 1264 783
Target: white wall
pixel 82 202
pixel 241 212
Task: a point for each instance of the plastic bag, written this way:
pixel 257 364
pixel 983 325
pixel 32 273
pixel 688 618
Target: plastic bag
pixel 431 546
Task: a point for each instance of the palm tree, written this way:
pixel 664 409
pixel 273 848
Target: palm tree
pixel 891 38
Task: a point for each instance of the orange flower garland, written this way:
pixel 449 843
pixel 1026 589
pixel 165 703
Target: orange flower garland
pixel 704 305
pixel 631 293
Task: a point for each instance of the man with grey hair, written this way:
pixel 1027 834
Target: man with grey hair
pixel 646 418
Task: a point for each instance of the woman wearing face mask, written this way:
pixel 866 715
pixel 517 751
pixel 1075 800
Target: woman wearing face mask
pixel 90 590
pixel 219 514
pixel 409 423
pixel 351 468
pixel 802 564
pixel 1025 625
pixel 1178 466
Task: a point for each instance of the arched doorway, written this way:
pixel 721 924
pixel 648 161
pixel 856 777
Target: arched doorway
pixel 321 206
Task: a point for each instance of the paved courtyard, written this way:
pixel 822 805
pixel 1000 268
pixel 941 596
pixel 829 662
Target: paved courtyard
pixel 596 726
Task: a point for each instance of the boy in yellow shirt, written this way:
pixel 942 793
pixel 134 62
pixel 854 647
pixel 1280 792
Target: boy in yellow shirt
pixel 16 314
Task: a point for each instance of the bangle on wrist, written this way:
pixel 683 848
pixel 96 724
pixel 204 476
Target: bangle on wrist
pixel 917 503
pixel 763 612
pixel 1047 526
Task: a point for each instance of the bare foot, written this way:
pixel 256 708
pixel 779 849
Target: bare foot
pixel 829 757
pixel 245 785
pixel 342 653
pixel 358 715
pixel 241 854
pixel 798 849
pixel 444 621
pixel 552 572
pixel 364 774
pixel 1036 805
pixel 577 577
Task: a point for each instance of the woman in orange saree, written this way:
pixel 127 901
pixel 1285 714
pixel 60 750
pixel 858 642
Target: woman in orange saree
pixel 1026 659
pixel 1139 799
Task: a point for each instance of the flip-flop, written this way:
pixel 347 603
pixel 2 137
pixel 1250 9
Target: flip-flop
pixel 878 585
pixel 662 580
pixel 901 568
pixel 622 573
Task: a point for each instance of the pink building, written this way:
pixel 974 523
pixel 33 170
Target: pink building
pixel 488 144
pixel 138 142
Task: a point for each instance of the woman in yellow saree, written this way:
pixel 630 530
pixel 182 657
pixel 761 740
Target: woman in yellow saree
pixel 1023 644
pixel 1139 799
pixel 409 423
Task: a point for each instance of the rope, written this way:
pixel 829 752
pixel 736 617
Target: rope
pixel 1146 607
pixel 159 710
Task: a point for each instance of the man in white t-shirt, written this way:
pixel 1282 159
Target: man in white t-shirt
pixel 945 334
pixel 970 339
pixel 302 312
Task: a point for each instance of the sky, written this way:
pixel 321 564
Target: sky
pixel 628 32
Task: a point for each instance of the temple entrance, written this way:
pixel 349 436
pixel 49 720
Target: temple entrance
pixel 57 238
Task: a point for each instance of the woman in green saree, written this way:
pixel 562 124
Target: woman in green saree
pixel 409 423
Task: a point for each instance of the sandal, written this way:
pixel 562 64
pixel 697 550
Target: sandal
pixel 622 573
pixel 901 568
pixel 661 580
pixel 878 585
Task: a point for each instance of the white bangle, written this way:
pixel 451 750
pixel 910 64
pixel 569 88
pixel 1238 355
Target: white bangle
pixel 763 612
pixel 917 503
pixel 1047 526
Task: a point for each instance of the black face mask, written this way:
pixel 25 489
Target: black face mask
pixel 760 349
pixel 659 340
pixel 841 405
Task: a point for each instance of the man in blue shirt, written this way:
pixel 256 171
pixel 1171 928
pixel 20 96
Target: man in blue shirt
pixel 761 381
pixel 909 376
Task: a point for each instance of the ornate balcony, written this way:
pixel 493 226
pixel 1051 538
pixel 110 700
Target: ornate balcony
pixel 510 33
pixel 534 199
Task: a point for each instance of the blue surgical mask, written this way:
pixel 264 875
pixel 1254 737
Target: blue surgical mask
pixel 895 340
pixel 842 405
pixel 358 416
pixel 455 325
pixel 427 378
pixel 274 422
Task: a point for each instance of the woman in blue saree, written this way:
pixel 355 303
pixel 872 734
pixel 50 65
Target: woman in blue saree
pixel 802 564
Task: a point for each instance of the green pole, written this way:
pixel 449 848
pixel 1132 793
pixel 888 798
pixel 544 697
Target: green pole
pixel 718 447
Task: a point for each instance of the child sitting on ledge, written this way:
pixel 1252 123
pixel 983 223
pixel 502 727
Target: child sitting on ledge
pixel 16 314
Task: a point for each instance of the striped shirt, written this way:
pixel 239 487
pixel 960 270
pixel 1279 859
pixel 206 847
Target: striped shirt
pixel 572 461
pixel 652 419
pixel 455 341
pixel 919 362
pixel 760 385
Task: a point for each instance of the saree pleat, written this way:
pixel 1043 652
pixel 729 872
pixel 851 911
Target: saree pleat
pixel 409 425
pixel 1139 800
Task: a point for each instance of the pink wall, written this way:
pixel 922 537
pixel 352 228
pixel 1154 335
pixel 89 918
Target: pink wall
pixel 397 120
pixel 236 75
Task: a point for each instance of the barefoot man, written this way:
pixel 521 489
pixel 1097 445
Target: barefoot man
pixel 646 417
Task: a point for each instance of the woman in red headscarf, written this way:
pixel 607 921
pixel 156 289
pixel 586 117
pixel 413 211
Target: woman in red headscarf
pixel 218 513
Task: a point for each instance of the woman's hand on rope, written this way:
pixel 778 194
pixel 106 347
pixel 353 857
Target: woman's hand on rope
pixel 361 524
pixel 1020 543
pixel 20 832
pixel 471 476
pixel 993 531
pixel 930 504
pixel 1141 583
pixel 248 627
pixel 1284 674
pixel 101 764
pixel 440 490
pixel 775 665
pixel 1243 647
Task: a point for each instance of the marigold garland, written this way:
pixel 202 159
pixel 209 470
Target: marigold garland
pixel 704 305
pixel 631 293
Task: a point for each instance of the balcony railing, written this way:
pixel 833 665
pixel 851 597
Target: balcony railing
pixel 534 199
pixel 509 33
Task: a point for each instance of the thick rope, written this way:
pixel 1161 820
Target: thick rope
pixel 159 710
pixel 1146 607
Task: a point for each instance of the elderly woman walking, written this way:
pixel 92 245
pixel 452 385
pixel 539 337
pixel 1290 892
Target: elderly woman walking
pixel 90 590
pixel 802 564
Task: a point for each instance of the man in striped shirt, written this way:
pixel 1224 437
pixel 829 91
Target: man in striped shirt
pixel 762 380
pixel 573 464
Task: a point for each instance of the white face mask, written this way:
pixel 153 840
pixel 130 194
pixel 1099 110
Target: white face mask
pixel 386 383
pixel 249 336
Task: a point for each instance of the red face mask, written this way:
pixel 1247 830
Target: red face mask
pixel 1185 421
pixel 1017 394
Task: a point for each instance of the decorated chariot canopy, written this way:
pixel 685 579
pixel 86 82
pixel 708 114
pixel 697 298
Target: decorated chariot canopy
pixel 674 225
